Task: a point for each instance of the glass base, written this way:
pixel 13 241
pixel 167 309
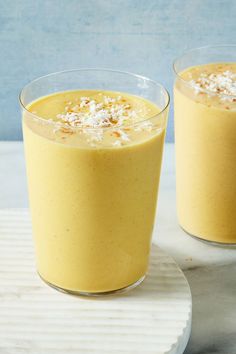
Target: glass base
pixel 95 294
pixel 213 243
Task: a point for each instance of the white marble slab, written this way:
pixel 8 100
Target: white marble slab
pixel 154 318
pixel 211 271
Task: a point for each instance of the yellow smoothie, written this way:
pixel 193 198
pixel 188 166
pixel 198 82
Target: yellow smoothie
pixel 205 142
pixel 93 164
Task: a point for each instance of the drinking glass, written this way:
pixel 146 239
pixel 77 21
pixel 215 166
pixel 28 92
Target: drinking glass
pixel 205 143
pixel 93 201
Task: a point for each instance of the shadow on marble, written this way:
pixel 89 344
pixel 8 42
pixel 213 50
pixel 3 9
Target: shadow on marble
pixel 214 302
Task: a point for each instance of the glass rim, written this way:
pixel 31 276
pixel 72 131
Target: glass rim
pixel 186 52
pixel 64 125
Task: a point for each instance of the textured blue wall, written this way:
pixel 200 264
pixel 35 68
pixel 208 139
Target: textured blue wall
pixel 143 36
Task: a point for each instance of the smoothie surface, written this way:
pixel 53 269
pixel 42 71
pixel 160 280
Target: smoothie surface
pixel 98 118
pixel 212 84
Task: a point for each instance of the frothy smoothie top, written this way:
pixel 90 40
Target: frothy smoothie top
pixel 93 112
pixel 93 109
pixel 212 84
pixel 221 83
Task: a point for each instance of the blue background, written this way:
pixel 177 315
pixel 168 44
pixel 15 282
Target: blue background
pixel 143 36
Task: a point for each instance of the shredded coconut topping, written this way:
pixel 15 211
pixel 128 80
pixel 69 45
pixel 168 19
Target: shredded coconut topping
pixel 91 114
pixel 223 84
pixel 106 112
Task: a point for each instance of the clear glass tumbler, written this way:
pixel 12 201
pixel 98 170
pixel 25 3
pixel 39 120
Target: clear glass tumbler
pixel 205 142
pixel 93 200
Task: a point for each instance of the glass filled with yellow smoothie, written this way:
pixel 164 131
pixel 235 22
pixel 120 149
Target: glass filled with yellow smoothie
pixel 205 142
pixel 93 146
